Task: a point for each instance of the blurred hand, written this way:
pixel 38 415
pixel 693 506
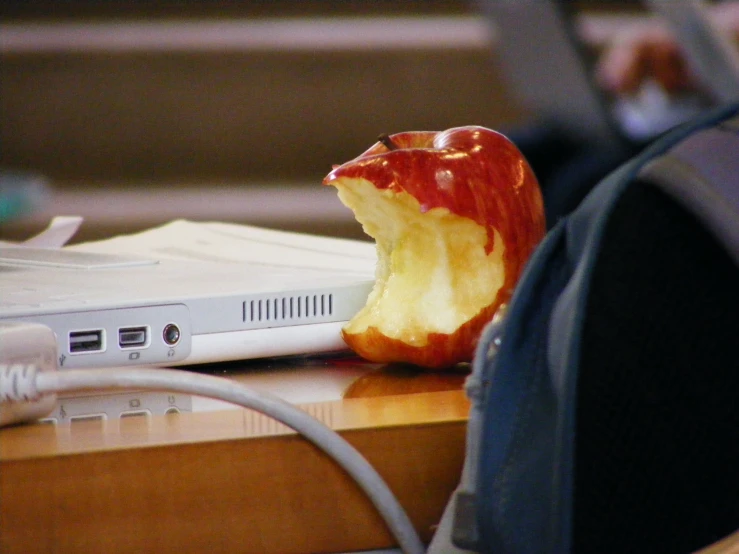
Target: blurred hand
pixel 641 53
pixel 647 51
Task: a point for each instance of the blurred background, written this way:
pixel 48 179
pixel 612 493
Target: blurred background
pixel 135 113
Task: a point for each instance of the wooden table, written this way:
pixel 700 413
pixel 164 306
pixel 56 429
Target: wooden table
pixel 230 480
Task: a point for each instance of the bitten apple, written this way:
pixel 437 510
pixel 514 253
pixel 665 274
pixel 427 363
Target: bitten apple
pixel 455 216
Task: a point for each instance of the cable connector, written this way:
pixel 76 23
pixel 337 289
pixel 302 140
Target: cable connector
pixel 26 349
pixel 18 383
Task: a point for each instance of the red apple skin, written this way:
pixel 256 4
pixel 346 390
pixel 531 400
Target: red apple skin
pixel 475 173
pixel 441 351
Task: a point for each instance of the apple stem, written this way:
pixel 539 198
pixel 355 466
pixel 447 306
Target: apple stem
pixel 385 139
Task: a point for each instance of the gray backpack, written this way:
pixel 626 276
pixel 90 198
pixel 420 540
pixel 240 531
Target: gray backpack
pixel 605 413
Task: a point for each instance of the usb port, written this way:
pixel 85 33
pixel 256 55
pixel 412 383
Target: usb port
pixel 88 417
pixel 136 413
pixel 86 342
pixel 133 337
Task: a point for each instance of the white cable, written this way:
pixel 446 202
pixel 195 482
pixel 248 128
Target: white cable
pixel 224 389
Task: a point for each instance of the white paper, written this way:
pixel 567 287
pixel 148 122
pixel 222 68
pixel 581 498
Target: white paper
pixel 57 234
pixel 233 243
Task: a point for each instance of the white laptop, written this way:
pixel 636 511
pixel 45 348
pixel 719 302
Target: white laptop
pixel 189 293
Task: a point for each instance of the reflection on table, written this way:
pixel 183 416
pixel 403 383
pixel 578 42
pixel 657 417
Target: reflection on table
pixel 211 476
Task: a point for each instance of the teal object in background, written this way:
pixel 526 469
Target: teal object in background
pixel 21 193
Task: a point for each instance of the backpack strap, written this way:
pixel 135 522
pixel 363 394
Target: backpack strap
pixel 702 175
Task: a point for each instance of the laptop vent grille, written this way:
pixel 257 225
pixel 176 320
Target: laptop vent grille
pixel 289 308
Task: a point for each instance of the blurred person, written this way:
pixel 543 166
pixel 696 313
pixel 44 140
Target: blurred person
pixel 649 51
pixel 644 76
